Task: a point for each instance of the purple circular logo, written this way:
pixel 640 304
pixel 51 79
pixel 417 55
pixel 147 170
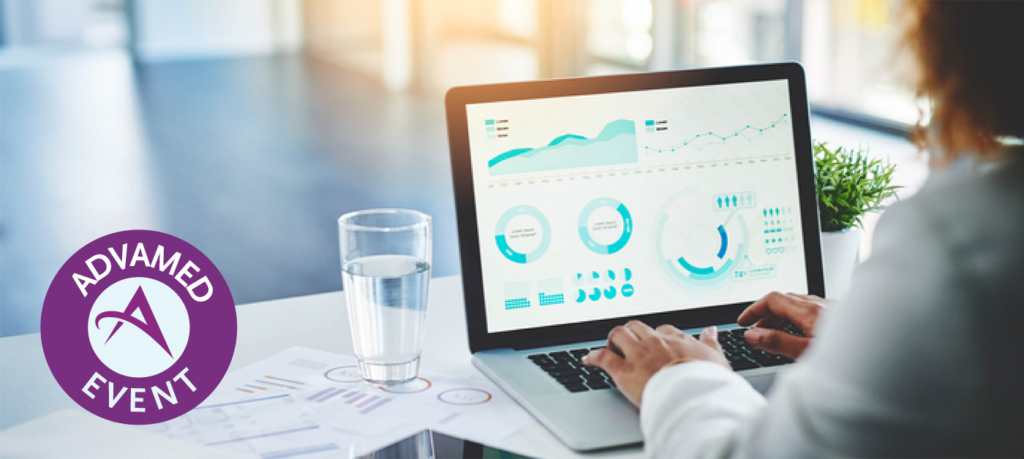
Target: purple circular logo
pixel 138 327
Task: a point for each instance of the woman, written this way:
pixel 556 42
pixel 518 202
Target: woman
pixel 922 358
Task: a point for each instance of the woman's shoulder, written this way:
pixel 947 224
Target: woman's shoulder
pixel 975 219
pixel 971 207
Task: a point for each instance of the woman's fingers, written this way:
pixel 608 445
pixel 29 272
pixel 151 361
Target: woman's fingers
pixel 755 312
pixel 640 329
pixel 709 336
pixel 775 322
pixel 807 297
pixel 605 359
pixel 623 339
pixel 772 312
pixel 772 304
pixel 802 312
pixel 777 342
pixel 668 330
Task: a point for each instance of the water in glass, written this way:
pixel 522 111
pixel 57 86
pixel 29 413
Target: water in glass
pixel 387 300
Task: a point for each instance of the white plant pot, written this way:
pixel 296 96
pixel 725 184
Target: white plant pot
pixel 841 250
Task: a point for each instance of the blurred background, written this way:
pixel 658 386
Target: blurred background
pixel 246 127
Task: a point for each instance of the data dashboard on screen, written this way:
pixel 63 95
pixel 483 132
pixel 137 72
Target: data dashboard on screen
pixel 611 205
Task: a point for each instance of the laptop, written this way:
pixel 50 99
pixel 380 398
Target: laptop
pixel 670 198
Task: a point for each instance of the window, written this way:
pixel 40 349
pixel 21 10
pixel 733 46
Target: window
pixel 847 47
pixel 737 32
pixel 618 35
pixel 850 52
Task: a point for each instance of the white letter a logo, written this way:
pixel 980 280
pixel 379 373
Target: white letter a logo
pixel 148 325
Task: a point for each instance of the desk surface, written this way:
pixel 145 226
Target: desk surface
pixel 28 390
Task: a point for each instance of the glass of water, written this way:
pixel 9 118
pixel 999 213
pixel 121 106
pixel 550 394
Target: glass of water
pixel 385 269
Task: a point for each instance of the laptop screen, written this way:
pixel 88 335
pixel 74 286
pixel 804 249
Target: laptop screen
pixel 620 204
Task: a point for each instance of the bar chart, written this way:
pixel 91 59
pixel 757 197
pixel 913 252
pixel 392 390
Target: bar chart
pixel 363 402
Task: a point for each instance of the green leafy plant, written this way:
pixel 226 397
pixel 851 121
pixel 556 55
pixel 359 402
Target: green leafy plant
pixel 850 183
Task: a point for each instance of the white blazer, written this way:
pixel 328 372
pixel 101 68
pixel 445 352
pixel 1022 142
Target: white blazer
pixel 925 357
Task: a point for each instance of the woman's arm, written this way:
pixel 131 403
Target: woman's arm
pixel 695 409
pixel 893 371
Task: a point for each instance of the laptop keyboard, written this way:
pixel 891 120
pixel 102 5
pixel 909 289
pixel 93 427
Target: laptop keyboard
pixel 568 369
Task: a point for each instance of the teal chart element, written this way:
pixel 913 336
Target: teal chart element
pixel 502 240
pixel 718 241
pixel 607 288
pixel 706 139
pixel 584 226
pixel 549 292
pixel 517 295
pixel 615 144
pixel 730 201
pixel 709 272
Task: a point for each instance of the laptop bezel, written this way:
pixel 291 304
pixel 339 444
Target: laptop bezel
pixel 458 98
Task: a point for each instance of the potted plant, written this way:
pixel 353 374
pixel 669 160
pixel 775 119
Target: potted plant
pixel 850 183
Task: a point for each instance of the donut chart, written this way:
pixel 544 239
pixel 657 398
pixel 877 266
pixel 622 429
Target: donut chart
pixel 626 225
pixel 412 387
pixel 709 272
pixel 502 237
pixel 695 245
pixel 465 396
pixel 344 374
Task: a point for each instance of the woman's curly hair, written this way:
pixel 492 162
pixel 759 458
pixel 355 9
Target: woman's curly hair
pixel 970 57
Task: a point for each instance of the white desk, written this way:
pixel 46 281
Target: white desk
pixel 28 390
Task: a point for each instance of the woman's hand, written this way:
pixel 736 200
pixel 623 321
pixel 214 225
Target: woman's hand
pixel 636 352
pixel 772 313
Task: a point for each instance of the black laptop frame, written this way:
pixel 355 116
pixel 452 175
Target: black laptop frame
pixel 458 98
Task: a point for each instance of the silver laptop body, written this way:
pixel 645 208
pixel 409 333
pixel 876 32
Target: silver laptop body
pixel 672 197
